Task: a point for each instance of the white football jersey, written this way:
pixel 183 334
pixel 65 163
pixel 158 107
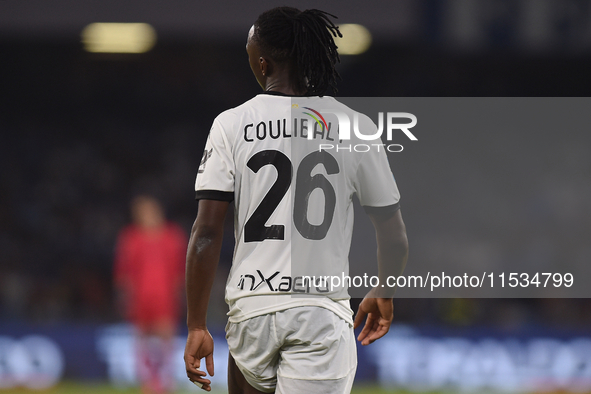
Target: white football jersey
pixel 279 158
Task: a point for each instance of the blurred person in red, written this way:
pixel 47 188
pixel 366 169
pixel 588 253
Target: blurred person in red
pixel 149 276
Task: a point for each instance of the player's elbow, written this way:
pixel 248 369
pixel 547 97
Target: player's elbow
pixel 394 243
pixel 204 241
pixel 391 234
pixel 206 231
pixel 399 243
pixel 209 224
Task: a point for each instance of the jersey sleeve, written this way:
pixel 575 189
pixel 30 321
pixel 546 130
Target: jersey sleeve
pixel 375 185
pixel 215 177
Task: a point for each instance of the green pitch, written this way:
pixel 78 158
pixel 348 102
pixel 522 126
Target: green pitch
pixel 102 388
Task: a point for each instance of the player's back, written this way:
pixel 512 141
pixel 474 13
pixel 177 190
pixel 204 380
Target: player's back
pixel 292 181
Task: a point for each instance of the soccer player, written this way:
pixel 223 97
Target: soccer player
pixel 149 264
pixel 287 331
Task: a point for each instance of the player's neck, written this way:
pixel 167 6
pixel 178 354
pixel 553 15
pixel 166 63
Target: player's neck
pixel 282 84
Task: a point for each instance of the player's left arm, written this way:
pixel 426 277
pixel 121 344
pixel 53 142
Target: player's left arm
pixel 392 252
pixel 203 255
pixel 378 193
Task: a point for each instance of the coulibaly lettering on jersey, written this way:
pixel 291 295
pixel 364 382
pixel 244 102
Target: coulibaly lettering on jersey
pixel 275 129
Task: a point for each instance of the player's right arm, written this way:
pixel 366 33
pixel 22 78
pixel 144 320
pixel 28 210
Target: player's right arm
pixel 214 188
pixel 203 255
pixel 392 255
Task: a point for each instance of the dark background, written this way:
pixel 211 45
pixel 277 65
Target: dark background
pixel 83 132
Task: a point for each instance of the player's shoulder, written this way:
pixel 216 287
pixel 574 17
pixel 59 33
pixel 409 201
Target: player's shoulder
pixel 230 120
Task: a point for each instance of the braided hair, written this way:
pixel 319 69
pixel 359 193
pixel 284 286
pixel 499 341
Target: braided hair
pixel 303 40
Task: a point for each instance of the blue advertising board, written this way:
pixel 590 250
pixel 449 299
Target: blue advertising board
pixel 415 359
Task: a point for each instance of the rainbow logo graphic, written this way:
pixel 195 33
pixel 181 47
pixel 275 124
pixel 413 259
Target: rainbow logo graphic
pixel 316 119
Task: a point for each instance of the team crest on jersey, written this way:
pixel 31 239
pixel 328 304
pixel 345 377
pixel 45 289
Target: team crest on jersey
pixel 316 119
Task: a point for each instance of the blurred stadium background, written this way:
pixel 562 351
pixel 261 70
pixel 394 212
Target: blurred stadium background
pixel 83 131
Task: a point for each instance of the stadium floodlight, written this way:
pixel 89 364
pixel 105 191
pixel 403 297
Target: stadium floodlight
pixel 356 39
pixel 118 37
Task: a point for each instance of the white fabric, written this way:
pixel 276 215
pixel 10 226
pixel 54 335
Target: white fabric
pixel 248 307
pixel 256 151
pixel 298 350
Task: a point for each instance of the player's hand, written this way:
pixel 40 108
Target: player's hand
pixel 379 312
pixel 199 345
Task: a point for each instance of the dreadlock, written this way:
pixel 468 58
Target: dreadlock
pixel 304 40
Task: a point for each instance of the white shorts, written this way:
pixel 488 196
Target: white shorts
pixel 298 350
